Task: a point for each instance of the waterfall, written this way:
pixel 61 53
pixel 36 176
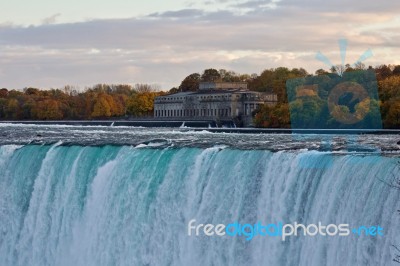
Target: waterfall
pixel 121 205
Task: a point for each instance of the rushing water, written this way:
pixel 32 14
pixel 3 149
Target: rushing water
pixel 131 204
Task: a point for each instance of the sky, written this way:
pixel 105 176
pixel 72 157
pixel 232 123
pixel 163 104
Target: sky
pixel 53 43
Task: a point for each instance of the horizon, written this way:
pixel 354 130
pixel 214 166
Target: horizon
pixel 157 88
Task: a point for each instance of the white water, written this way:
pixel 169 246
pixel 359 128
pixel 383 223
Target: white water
pixel 127 206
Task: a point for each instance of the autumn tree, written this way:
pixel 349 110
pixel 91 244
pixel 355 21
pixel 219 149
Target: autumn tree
pixel 392 118
pixel 47 110
pixel 389 94
pixel 396 70
pixel 3 93
pixel 272 116
pixel 321 72
pixel 13 110
pixel 389 88
pixel 141 104
pixel 3 107
pixel 119 104
pixel 28 108
pixel 31 91
pixel 101 107
pixel 382 72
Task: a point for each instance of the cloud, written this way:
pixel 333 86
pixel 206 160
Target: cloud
pixel 343 6
pixel 165 47
pixel 179 13
pixel 51 20
pixel 256 4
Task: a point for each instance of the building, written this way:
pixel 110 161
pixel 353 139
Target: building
pixel 215 101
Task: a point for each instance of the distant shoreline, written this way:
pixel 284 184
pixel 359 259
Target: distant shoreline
pixel 205 125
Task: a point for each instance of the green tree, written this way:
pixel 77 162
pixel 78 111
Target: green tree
pixel 229 76
pixel 190 83
pixel 210 75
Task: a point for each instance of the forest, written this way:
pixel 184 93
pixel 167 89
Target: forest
pixel 123 101
pixel 101 101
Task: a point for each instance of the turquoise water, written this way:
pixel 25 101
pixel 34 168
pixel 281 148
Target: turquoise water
pixel 119 205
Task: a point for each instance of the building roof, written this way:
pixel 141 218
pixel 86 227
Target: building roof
pixel 222 85
pixel 214 91
pixel 184 93
pixel 204 92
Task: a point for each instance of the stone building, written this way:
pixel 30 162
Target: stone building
pixel 216 101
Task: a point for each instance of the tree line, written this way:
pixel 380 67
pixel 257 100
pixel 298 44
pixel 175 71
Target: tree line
pixel 104 101
pixel 101 101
